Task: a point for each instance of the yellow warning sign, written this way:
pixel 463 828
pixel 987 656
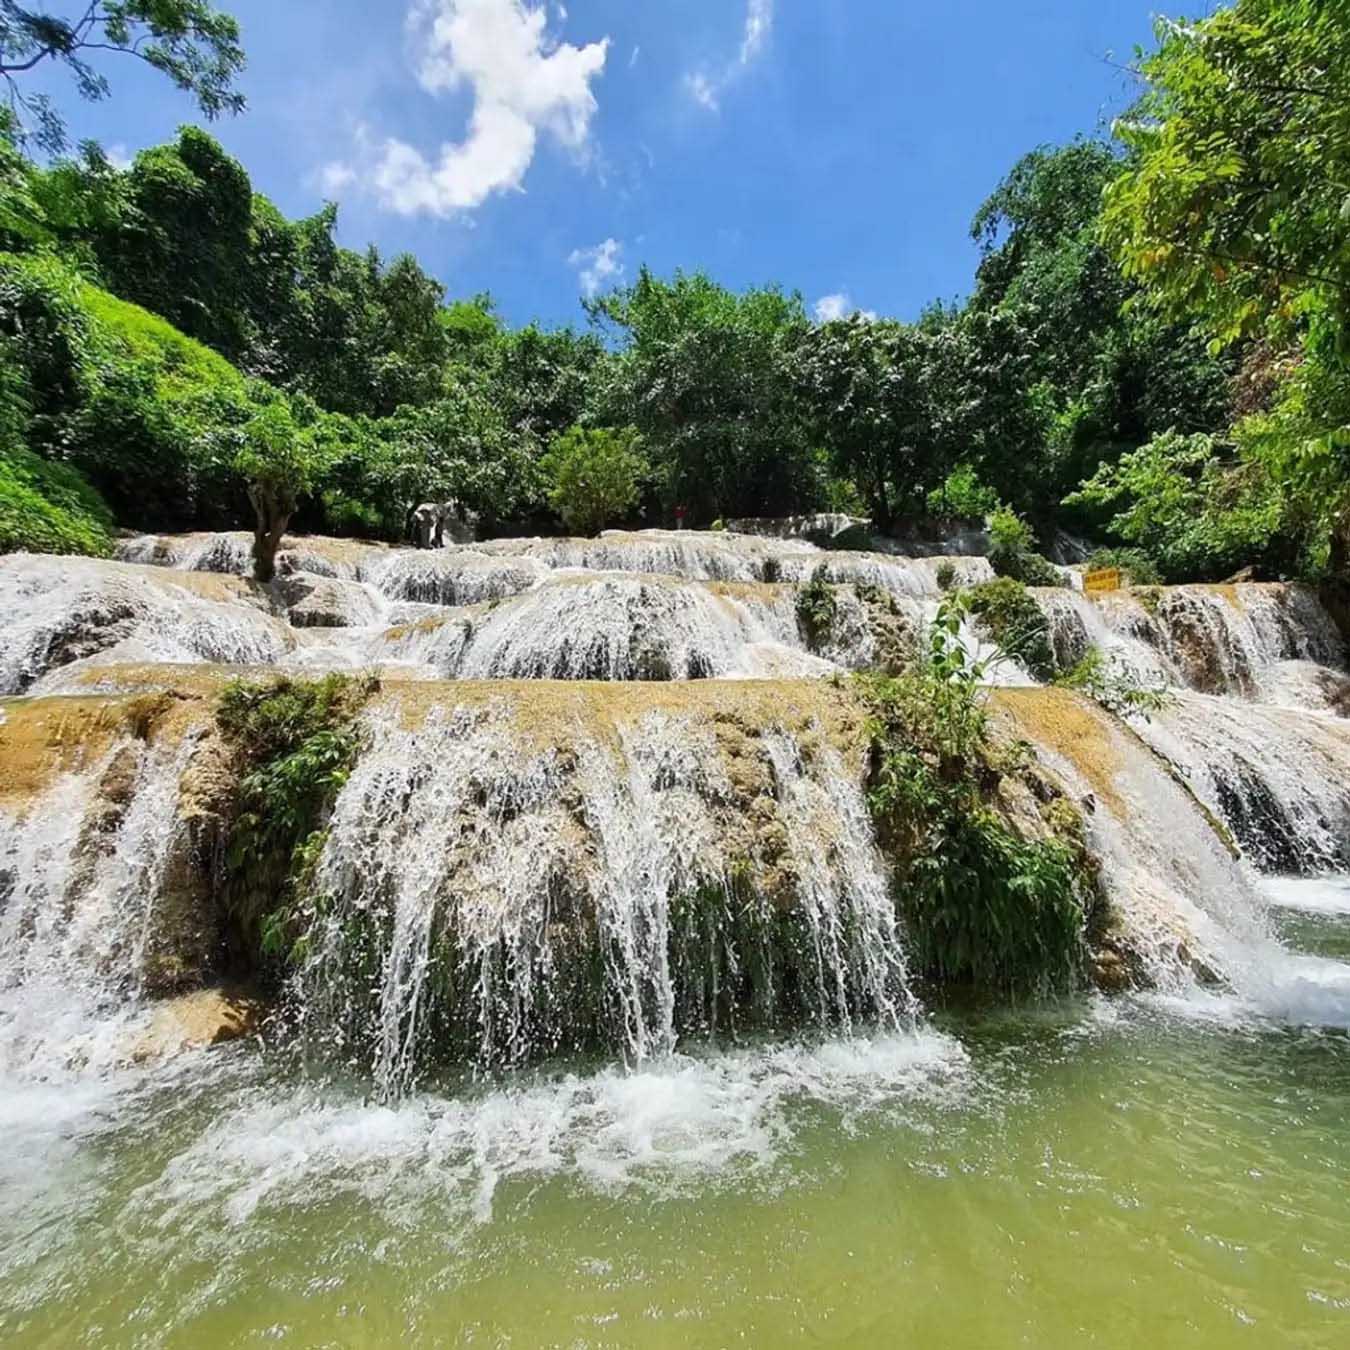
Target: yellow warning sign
pixel 1103 579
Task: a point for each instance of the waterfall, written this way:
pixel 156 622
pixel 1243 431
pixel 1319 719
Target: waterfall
pixel 611 796
pixel 596 868
pixel 86 867
pixel 59 612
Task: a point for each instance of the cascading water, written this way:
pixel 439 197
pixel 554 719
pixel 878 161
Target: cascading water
pixel 588 869
pixel 680 874
pixel 83 869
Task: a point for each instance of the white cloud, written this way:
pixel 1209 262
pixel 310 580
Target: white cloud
pixel 758 22
pixel 705 87
pixel 522 82
pixel 702 90
pixel 119 156
pixel 598 266
pixel 333 179
pixel 839 306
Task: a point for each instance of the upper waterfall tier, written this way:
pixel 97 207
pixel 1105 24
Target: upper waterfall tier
pixel 470 573
pixel 1271 642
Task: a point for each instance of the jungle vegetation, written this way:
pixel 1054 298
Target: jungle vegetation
pixel 1153 352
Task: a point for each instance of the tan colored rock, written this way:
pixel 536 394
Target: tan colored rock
pixel 204 1017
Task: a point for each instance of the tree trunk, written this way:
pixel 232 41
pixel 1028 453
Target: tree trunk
pixel 272 515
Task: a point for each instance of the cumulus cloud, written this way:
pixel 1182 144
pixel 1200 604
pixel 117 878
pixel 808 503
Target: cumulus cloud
pixel 839 306
pixel 597 267
pixel 119 156
pixel 704 86
pixel 522 83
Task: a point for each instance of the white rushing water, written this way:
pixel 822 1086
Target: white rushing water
pixel 534 896
pixel 519 878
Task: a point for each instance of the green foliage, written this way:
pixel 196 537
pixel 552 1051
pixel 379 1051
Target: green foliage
pixel 1195 508
pixel 1013 620
pixel 144 413
pixel 1233 213
pixel 49 508
pixel 963 495
pixel 1135 564
pixel 1115 692
pixel 1233 207
pixel 1012 551
pixel 701 374
pixel 817 609
pixel 983 906
pixel 879 397
pixel 1071 373
pixel 190 41
pixel 595 476
pixel 297 741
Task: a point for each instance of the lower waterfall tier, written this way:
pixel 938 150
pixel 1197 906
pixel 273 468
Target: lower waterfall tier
pixel 513 869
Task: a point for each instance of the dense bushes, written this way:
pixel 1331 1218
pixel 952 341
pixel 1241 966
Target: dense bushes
pixel 984 904
pixel 1013 620
pixel 1012 551
pixel 49 508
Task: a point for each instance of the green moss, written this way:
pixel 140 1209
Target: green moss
pixel 1013 620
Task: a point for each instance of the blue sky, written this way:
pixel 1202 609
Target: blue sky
pixel 839 147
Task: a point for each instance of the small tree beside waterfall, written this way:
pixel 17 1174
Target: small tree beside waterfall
pixel 595 474
pixel 277 463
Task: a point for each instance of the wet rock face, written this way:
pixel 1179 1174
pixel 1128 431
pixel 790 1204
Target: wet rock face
pixel 56 612
pixel 314 601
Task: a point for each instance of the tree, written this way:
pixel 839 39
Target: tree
pixel 276 463
pixel 596 474
pixel 1235 209
pixel 703 377
pixel 190 41
pixel 880 397
pixel 1073 373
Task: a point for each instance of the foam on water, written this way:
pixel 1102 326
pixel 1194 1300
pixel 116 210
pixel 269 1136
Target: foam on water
pixel 674 1123
pixel 1314 895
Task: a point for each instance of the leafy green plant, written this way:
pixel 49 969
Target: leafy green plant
pixel 963 495
pixel 1014 621
pixel 946 574
pixel 817 609
pixel 1115 691
pixel 297 741
pixel 984 906
pixel 596 474
pixel 1012 551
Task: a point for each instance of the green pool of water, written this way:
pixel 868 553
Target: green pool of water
pixel 1106 1175
pixel 1136 1173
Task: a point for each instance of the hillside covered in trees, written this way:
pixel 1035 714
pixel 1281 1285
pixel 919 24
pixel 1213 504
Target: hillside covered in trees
pixel 1153 353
